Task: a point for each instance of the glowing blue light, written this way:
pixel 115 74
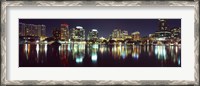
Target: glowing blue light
pixel 156 51
pixel 95 46
pixel 68 48
pixel 123 55
pixel 79 60
pixel 137 56
pixel 94 57
pixel 179 61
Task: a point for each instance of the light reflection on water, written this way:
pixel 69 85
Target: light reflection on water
pixel 86 55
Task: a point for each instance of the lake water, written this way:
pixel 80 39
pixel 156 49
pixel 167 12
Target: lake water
pixel 98 55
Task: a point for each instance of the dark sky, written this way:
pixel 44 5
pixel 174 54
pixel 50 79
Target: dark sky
pixel 105 26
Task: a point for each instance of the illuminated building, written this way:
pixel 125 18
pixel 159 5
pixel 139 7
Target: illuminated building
pixel 93 35
pixel 163 33
pixel 39 30
pixel 32 30
pixel 78 34
pixel 64 32
pixel 162 25
pixel 21 29
pixel 124 34
pixel 56 34
pixel 151 36
pixel 28 30
pixel 135 36
pixel 117 33
pixel 43 30
pixel 176 32
pixel 102 39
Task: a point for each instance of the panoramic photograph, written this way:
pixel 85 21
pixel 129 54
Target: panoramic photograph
pixel 99 42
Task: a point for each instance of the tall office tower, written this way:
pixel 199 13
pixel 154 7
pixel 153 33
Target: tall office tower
pixel 21 29
pixel 162 25
pixel 136 36
pixel 117 33
pixel 176 32
pixel 162 34
pixel 28 31
pixel 93 35
pixel 78 34
pixel 124 34
pixel 43 30
pixel 64 32
pixel 56 33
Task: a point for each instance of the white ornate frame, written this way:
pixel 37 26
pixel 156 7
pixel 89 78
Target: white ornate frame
pixel 5 4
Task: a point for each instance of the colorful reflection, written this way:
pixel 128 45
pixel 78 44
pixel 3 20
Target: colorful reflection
pixel 78 52
pixel 27 50
pixel 93 55
pixel 160 52
pixel 135 53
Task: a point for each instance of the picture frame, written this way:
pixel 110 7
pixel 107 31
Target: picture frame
pixel 4 52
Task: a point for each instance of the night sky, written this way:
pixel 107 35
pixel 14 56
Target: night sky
pixel 105 26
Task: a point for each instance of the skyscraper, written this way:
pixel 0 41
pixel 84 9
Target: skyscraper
pixel 124 34
pixel 176 32
pixel 93 35
pixel 28 30
pixel 43 30
pixel 38 31
pixel 117 33
pixel 21 29
pixel 136 36
pixel 64 32
pixel 162 34
pixel 162 25
pixel 56 33
pixel 78 34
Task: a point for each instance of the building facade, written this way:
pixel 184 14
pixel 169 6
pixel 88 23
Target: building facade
pixel 163 33
pixel 78 34
pixel 22 29
pixel 135 36
pixel 56 34
pixel 93 35
pixel 32 30
pixel 64 32
pixel 117 33
pixel 176 32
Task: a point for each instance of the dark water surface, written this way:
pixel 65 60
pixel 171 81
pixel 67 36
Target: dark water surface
pixel 98 55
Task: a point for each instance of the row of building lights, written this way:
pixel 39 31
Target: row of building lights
pixel 78 33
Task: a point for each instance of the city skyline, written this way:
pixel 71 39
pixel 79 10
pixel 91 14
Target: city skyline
pixel 105 26
pixel 80 43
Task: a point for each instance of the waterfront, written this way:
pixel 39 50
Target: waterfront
pixel 98 55
pixel 100 42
